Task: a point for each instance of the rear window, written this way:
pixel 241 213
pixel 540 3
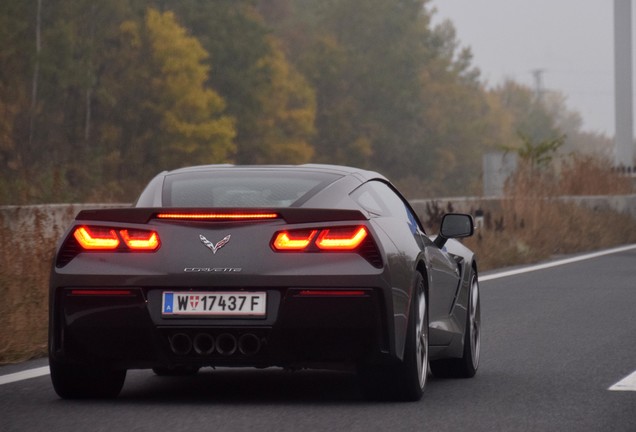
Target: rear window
pixel 243 188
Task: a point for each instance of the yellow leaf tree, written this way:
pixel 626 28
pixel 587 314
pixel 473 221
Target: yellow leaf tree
pixel 162 114
pixel 195 132
pixel 281 131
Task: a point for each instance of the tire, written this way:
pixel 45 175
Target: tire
pixel 83 382
pixel 406 379
pixel 176 371
pixel 467 365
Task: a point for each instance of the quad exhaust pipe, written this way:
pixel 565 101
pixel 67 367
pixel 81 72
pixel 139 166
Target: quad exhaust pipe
pixel 180 343
pixel 249 344
pixel 225 344
pixel 204 344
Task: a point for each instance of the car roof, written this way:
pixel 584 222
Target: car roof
pixel 326 168
pixel 348 178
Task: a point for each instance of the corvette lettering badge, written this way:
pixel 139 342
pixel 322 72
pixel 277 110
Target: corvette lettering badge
pixel 214 247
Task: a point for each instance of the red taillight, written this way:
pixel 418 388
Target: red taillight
pixel 342 239
pixel 104 239
pixel 293 240
pixel 332 293
pixel 96 238
pixel 140 240
pixel 101 292
pixel 326 239
pixel 217 216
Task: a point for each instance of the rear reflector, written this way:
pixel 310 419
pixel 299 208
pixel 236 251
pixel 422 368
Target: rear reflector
pixel 216 216
pixel 101 292
pixel 332 293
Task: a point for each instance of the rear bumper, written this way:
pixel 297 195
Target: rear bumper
pixel 126 330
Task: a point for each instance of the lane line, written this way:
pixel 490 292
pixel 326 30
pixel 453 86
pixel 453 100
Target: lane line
pixel 24 375
pixel 555 263
pixel 626 384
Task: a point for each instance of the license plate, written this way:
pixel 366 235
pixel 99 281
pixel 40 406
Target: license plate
pixel 214 303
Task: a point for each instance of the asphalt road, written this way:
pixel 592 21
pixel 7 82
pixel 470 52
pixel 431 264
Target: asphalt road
pixel 554 341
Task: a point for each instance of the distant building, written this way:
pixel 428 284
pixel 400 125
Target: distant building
pixel 498 167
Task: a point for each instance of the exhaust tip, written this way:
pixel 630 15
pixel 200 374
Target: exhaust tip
pixel 226 344
pixel 180 343
pixel 203 344
pixel 249 344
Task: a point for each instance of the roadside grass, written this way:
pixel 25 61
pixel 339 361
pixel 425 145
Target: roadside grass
pixel 535 223
pixel 547 229
pixel 26 251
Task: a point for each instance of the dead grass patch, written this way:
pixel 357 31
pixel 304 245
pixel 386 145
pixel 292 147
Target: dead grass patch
pixel 27 245
pixel 535 223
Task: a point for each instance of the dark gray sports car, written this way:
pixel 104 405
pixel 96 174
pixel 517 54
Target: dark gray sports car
pixel 311 266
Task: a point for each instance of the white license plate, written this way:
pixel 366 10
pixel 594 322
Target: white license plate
pixel 214 303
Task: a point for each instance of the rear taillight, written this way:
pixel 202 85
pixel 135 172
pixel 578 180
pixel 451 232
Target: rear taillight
pixel 326 239
pixel 293 240
pixel 140 240
pixel 342 239
pixel 93 238
pixel 96 238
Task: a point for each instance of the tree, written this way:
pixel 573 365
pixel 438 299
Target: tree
pixel 272 103
pixel 281 131
pixel 532 118
pixel 171 118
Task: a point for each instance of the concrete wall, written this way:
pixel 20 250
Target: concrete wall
pixel 47 221
pixel 53 219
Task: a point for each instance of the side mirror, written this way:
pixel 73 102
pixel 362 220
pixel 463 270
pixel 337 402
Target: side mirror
pixel 455 225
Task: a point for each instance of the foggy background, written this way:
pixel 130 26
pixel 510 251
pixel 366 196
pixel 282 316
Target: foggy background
pixel 570 41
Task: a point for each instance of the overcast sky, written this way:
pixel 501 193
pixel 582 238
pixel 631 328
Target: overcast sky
pixel 570 40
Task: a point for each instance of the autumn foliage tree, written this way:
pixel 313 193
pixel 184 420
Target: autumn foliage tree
pixel 171 119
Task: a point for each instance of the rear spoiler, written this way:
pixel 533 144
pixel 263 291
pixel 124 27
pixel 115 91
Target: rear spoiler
pixel 288 214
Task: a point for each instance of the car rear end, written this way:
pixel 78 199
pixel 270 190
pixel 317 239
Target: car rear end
pixel 139 288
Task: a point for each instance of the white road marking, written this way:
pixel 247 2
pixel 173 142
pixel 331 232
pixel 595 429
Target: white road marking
pixel 626 384
pixel 26 374
pixel 555 263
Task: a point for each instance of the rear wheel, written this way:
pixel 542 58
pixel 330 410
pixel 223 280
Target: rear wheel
pixel 82 382
pixel 406 379
pixel 466 366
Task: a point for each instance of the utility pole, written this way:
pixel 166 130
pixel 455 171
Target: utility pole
pixel 623 90
pixel 538 83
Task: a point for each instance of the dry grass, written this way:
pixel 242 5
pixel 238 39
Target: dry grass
pixel 547 228
pixel 534 224
pixel 27 246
